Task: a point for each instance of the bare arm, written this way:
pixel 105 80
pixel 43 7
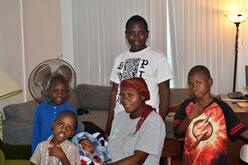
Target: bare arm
pixel 111 108
pixel 164 97
pixel 183 126
pixel 138 158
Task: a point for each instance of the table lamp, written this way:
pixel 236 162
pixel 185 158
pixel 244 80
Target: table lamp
pixel 8 88
pixel 236 19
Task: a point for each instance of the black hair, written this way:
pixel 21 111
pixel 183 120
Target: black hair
pixel 137 19
pixel 68 113
pixel 200 69
pixel 84 138
pixel 56 78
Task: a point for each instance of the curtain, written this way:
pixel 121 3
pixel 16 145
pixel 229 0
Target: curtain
pixel 99 33
pixel 201 35
pixel 190 32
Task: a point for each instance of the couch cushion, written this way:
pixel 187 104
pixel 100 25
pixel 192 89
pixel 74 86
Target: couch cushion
pixel 22 111
pixel 93 96
pixel 97 117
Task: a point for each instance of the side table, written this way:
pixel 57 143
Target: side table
pixel 235 146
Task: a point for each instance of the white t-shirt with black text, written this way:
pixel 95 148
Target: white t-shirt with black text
pixel 149 64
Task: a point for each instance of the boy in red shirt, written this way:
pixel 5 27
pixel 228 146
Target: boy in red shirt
pixel 205 122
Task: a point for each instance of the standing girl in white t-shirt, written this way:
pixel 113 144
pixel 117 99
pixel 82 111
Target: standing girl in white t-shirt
pixel 140 61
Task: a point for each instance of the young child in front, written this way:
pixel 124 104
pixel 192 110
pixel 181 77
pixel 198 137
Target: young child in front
pixel 46 112
pixel 57 147
pixel 205 122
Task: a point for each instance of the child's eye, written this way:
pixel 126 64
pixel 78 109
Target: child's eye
pixel 59 123
pixel 63 92
pixel 54 90
pixel 130 94
pixel 142 32
pixel 131 33
pixel 198 83
pixel 70 129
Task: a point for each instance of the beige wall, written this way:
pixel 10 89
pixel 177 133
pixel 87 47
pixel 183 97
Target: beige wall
pixel 11 45
pixel 29 34
pixel 42 37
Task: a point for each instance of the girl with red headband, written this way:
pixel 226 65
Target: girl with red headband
pixel 138 133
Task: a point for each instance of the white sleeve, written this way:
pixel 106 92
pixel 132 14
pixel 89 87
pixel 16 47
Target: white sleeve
pixel 114 75
pixel 164 72
pixel 36 156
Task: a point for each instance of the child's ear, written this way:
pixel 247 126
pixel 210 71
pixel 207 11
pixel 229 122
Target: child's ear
pixel 147 33
pixel 210 82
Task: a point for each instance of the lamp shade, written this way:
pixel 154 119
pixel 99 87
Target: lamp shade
pixel 237 18
pixel 8 87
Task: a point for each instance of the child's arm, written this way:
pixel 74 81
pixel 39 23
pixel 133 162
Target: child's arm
pixel 235 127
pixel 195 112
pixel 111 109
pixel 36 156
pixel 57 151
pixel 164 98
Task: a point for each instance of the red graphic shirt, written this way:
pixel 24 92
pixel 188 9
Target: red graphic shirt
pixel 205 139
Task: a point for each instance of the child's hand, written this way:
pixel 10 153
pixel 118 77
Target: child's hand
pixel 56 151
pixel 196 111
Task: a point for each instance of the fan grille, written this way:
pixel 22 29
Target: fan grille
pixel 40 77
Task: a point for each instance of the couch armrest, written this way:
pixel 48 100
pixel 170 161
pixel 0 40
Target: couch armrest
pixel 22 111
pixel 177 95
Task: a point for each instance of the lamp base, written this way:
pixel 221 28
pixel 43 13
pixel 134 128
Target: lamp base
pixel 236 95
